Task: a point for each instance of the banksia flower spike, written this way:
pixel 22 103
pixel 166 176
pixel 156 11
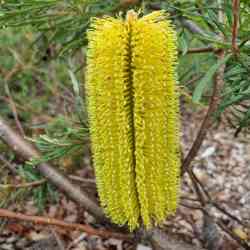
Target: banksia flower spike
pixel 133 113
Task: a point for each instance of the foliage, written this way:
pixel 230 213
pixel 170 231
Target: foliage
pixel 42 193
pixel 236 93
pixel 63 22
pixel 61 139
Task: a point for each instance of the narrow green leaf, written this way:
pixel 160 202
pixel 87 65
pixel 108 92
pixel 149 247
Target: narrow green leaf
pixel 183 43
pixel 207 78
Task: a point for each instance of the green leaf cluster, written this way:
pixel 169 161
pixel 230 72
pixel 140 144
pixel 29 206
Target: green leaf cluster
pixel 236 95
pixel 62 138
pixel 64 22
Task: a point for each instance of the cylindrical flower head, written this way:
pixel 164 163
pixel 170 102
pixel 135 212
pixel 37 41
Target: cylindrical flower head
pixel 134 118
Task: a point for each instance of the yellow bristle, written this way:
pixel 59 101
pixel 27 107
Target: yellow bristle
pixel 134 120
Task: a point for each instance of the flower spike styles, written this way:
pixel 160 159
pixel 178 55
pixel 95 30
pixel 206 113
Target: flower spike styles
pixel 134 116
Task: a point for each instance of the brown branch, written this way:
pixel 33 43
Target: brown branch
pixel 193 27
pixel 4 213
pixel 201 50
pixel 88 183
pixel 228 214
pixel 191 206
pixel 8 164
pixel 207 202
pixel 24 185
pixel 244 41
pixel 236 5
pixel 210 221
pixel 15 115
pixel 197 188
pixel 16 69
pixel 214 101
pixel 84 182
pixel 27 152
pixel 213 203
pixel 225 229
pixel 213 104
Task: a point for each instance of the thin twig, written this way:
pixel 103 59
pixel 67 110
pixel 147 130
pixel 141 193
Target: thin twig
pixel 191 206
pixel 193 80
pixel 20 107
pixel 236 5
pixel 244 41
pixel 208 201
pixel 4 213
pixel 16 69
pixel 228 214
pixel 193 27
pixel 204 208
pixel 201 197
pixel 24 185
pixel 241 242
pixel 84 182
pixel 214 101
pixel 14 110
pixel 196 179
pixel 201 50
pixel 213 203
pixel 8 164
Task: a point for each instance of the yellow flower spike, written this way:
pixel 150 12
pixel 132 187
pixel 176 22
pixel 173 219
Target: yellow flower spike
pixel 134 119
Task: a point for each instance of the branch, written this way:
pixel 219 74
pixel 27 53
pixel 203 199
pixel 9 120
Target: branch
pixel 192 27
pixel 27 152
pixel 236 4
pixel 243 243
pixel 86 182
pixel 213 104
pixel 24 185
pixel 211 235
pixel 214 101
pixel 202 50
pixel 14 112
pixel 9 165
pixel 4 213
